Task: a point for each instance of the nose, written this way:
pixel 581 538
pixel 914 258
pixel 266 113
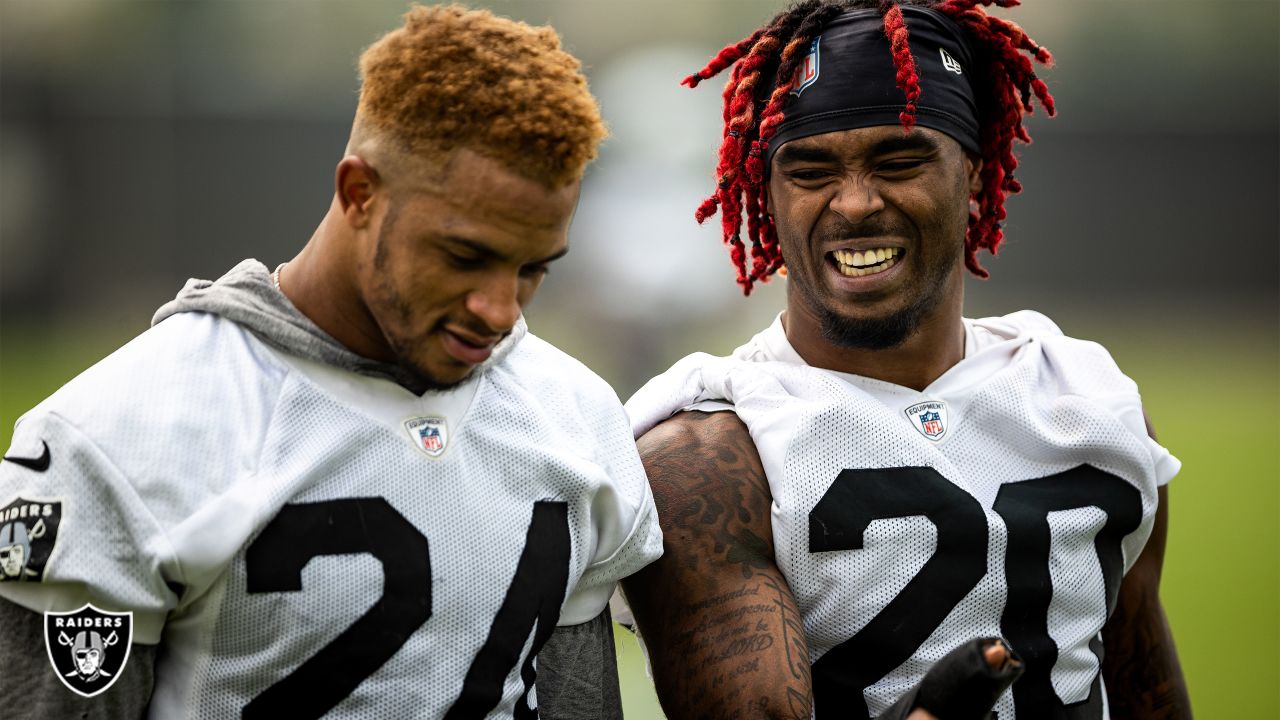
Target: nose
pixel 857 198
pixel 496 302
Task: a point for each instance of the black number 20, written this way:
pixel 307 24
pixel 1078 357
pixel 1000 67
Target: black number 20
pixel 858 497
pixel 303 531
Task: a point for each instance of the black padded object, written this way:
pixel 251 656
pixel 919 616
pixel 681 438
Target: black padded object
pixel 960 686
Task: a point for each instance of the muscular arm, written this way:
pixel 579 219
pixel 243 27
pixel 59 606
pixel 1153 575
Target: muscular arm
pixel 1140 665
pixel 28 681
pixel 720 623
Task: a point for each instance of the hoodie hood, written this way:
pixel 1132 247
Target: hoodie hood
pixel 247 296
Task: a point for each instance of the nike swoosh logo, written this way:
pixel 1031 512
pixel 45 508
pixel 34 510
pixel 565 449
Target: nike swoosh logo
pixel 39 464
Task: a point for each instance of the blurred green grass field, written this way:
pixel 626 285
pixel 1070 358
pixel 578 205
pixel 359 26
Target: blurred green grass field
pixel 1214 397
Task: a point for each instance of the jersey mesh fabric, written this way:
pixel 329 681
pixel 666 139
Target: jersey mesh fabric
pixel 1078 596
pixel 263 435
pixel 1029 405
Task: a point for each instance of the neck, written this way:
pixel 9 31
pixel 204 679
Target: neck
pixel 935 345
pixel 319 282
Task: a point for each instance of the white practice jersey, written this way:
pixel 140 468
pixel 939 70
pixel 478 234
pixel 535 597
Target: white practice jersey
pixel 305 540
pixel 1008 499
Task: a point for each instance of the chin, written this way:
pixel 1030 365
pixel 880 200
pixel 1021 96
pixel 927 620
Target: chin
pixel 879 332
pixel 427 380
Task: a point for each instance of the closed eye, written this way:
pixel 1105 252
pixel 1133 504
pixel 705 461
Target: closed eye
pixel 902 164
pixel 465 262
pixel 808 176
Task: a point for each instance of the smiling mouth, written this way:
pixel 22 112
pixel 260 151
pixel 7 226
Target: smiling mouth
pixel 857 263
pixel 468 349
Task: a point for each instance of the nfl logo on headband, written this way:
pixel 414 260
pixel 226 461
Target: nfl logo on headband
pixel 807 73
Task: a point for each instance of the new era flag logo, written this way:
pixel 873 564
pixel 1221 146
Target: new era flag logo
pixel 88 647
pixel 950 63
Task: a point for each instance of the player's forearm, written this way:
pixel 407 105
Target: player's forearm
pixel 739 653
pixel 1143 677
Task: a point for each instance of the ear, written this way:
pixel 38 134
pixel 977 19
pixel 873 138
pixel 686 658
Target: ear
pixel 356 184
pixel 974 165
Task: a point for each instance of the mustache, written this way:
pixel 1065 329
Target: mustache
pixel 841 229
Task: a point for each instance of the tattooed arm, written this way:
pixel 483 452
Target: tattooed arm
pixel 720 623
pixel 1140 665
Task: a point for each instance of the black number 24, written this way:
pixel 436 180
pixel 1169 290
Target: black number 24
pixel 858 497
pixel 300 532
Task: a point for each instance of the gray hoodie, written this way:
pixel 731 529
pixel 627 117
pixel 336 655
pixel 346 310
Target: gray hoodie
pixel 247 296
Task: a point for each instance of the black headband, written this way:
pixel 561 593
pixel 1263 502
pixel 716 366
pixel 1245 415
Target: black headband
pixel 847 81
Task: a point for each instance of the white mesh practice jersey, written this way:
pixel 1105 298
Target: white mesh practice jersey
pixel 304 540
pixel 1006 499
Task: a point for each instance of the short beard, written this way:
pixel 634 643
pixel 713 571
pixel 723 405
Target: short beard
pixel 882 333
pixel 406 373
pixel 874 333
pixel 416 379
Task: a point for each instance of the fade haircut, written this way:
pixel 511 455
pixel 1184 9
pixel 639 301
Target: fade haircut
pixel 453 78
pixel 759 89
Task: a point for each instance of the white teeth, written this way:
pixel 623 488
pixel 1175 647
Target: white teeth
pixel 850 271
pixel 866 262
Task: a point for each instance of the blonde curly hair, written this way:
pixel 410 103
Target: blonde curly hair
pixel 451 78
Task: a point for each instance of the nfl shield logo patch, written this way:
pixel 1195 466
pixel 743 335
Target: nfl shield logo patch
pixel 930 418
pixel 28 531
pixel 807 73
pixel 88 647
pixel 429 434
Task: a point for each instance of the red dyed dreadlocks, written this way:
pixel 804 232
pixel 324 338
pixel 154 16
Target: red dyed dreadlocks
pixel 1008 84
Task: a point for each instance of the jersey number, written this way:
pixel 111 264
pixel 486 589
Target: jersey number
pixel 858 497
pixel 304 531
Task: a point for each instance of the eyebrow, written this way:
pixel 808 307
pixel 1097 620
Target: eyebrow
pixel 489 253
pixel 914 141
pixel 553 257
pixel 792 153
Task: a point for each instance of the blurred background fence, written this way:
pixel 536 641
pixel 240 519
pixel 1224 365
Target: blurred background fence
pixel 145 142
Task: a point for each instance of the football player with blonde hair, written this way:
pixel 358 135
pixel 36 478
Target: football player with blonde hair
pixel 356 486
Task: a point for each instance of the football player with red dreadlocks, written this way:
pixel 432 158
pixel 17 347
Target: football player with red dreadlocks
pixel 877 507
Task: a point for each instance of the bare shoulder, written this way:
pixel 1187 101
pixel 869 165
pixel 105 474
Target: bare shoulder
pixel 695 429
pixel 699 452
